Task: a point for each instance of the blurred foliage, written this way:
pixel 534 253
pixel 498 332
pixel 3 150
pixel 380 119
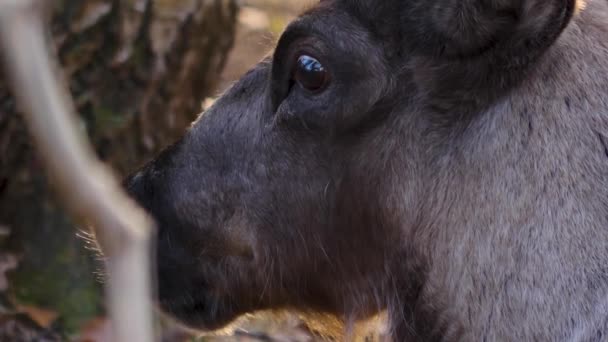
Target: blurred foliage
pixel 138 70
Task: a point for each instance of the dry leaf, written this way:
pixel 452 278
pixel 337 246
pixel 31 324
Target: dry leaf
pixel 96 330
pixel 43 317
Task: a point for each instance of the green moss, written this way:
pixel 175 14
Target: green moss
pixel 107 119
pixel 56 272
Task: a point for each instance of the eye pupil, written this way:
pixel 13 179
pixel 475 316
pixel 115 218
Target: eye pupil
pixel 310 73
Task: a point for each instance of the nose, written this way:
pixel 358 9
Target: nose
pixel 141 188
pixel 134 185
pixel 137 187
pixel 154 174
pixel 149 188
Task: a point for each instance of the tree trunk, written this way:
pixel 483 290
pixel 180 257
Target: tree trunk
pixel 139 71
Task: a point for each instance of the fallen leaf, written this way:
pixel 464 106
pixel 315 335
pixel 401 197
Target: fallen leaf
pixel 43 317
pixel 96 330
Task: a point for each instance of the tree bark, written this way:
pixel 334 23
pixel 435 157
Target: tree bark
pixel 139 71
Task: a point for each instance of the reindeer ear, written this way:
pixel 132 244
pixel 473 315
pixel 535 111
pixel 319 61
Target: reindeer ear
pixel 463 28
pixel 464 54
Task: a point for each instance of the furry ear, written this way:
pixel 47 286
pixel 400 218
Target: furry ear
pixel 465 28
pixel 463 54
pixel 466 53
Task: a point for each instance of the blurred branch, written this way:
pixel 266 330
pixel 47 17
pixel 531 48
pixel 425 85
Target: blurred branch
pixel 87 186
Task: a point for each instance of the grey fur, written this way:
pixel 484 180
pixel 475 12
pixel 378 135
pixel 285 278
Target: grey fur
pixel 455 172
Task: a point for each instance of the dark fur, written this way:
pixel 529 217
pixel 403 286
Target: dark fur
pixel 454 173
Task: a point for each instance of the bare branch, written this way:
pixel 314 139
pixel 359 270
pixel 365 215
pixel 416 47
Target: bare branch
pixel 87 186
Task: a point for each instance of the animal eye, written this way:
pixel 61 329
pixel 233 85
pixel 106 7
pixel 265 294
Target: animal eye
pixel 310 74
